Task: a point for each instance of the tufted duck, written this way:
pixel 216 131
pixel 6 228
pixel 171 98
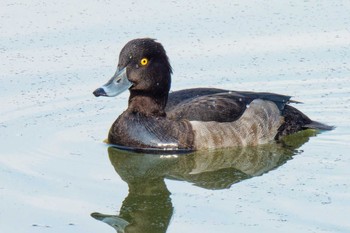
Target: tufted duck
pixel 191 119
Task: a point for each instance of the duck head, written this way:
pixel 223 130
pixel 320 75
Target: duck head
pixel 144 69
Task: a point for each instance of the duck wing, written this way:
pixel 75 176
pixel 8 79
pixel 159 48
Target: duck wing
pixel 207 104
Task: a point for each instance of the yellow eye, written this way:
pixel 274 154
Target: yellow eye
pixel 144 61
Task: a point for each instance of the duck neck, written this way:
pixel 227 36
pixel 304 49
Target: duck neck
pixel 147 104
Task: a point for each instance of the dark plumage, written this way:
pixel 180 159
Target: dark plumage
pixel 191 119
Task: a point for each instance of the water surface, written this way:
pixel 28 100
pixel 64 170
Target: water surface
pixel 56 171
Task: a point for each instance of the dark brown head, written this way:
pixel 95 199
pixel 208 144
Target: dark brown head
pixel 144 69
pixel 148 67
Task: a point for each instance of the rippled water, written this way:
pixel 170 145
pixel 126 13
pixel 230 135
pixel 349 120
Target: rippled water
pixel 57 175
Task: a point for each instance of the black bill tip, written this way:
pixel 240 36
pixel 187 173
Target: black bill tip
pixel 99 92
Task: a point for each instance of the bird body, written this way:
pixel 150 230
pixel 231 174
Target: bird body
pixel 191 119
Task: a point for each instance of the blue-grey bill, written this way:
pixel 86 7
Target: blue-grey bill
pixel 115 86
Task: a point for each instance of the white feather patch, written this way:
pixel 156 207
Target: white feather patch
pixel 258 125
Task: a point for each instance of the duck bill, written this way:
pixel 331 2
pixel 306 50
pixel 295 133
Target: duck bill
pixel 116 85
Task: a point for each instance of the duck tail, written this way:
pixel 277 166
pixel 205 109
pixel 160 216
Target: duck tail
pixel 319 126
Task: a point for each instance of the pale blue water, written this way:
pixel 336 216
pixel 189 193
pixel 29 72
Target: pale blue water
pixel 55 169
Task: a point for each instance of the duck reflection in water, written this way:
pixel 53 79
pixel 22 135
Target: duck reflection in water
pixel 148 207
